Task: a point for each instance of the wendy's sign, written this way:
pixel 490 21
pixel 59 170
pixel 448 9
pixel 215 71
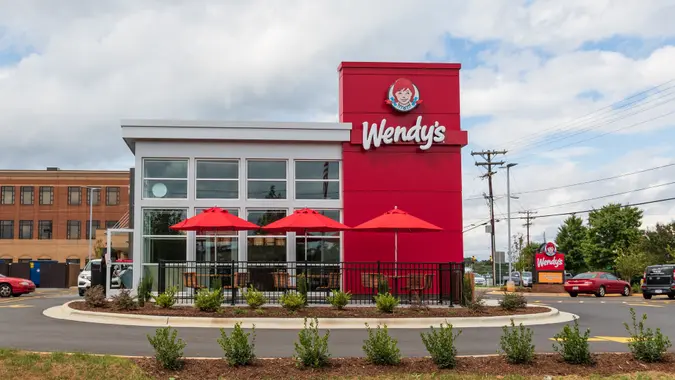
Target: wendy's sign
pixel 549 264
pixel 544 262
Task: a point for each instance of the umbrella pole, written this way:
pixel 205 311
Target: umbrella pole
pixel 396 253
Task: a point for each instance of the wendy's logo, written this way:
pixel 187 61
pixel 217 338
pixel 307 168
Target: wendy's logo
pixel 550 249
pixel 403 95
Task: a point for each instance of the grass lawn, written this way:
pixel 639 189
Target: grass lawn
pixel 31 366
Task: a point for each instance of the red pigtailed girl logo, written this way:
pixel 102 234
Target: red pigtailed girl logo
pixel 403 95
pixel 550 250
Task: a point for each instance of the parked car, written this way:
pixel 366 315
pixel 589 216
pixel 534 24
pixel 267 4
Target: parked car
pixel 479 280
pixel 527 279
pixel 659 280
pixel 598 283
pixel 568 276
pixel 12 286
pixel 515 277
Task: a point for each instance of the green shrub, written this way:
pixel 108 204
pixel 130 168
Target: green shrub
pixel 237 348
pixel 124 301
pixel 572 345
pixel 311 349
pixel 646 344
pixel 209 300
pixel 339 299
pixel 513 301
pixel 467 290
pixel 292 301
pixel 516 344
pixel 637 289
pixel 144 292
pixel 168 347
pixel 382 286
pixel 477 304
pixel 216 283
pixel 386 303
pixel 167 299
pixel 95 296
pixel 380 348
pixel 254 298
pixel 441 345
pixel 303 286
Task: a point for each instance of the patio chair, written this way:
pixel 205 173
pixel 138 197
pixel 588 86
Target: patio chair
pixel 190 281
pixel 333 283
pixel 417 283
pixel 282 281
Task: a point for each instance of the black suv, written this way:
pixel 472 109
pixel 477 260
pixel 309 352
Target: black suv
pixel 659 280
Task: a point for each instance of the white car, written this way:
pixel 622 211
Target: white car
pixel 479 280
pixel 84 279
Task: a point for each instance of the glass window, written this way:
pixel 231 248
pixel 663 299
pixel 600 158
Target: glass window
pixel 97 196
pixel 95 225
pixel 25 229
pixel 6 229
pixel 27 195
pixel 44 229
pixel 74 229
pixel 317 180
pixel 227 244
pixel 6 260
pixel 266 179
pixel 7 195
pixel 73 261
pixel 263 245
pixel 110 224
pixel 25 260
pixel 165 178
pixel 323 247
pixel 583 276
pixel 156 222
pixel 46 195
pixel 217 179
pixel 112 196
pixel 74 195
pixel 611 277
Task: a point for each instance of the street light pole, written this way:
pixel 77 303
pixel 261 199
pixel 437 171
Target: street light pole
pixel 508 212
pixel 91 216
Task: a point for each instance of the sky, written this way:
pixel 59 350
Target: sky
pixel 575 91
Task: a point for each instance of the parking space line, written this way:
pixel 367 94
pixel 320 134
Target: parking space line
pixel 643 304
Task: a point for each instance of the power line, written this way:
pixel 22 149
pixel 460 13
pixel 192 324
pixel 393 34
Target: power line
pixel 608 107
pixel 590 210
pixel 608 195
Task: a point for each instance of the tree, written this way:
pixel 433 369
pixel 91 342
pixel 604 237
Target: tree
pixel 570 239
pixel 526 259
pixel 659 244
pixel 631 262
pixel 611 229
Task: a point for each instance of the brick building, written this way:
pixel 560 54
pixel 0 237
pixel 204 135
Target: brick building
pixel 44 214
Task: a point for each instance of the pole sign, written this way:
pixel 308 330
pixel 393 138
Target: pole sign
pixel 549 264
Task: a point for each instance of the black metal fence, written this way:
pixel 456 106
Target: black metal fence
pixel 440 283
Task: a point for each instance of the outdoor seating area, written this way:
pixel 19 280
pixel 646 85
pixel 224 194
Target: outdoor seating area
pixel 429 283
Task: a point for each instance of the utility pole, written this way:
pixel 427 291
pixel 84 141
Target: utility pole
pixel 528 223
pixel 488 157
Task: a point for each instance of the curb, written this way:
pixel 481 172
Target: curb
pixel 498 293
pixel 65 312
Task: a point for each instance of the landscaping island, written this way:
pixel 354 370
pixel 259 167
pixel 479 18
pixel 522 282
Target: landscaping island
pixel 311 312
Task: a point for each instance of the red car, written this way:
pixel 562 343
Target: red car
pixel 11 286
pixel 598 283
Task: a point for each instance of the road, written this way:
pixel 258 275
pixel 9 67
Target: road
pixel 23 326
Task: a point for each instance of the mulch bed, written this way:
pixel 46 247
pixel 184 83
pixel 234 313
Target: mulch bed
pixel 311 312
pixel 605 364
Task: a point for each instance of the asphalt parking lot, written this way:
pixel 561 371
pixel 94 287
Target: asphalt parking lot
pixel 23 326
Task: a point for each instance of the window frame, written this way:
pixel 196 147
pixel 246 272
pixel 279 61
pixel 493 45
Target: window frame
pixel 186 179
pixel 107 195
pixel 285 180
pixel 50 192
pixel 321 235
pixel 28 223
pixel 234 235
pixel 27 192
pixel 72 190
pixel 7 224
pixel 109 224
pixel 97 195
pixel 179 235
pixel 95 225
pixel 77 223
pixel 7 189
pixel 236 180
pixel 40 235
pixel 322 181
pixel 252 235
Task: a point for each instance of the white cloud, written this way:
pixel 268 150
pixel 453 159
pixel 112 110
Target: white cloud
pixel 95 63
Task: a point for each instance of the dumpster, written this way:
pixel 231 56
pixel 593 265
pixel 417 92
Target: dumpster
pixel 35 270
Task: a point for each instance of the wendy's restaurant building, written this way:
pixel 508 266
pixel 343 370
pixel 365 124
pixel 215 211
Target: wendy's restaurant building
pixel 397 144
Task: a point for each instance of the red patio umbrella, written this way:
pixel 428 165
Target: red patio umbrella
pixel 214 220
pixel 396 221
pixel 304 221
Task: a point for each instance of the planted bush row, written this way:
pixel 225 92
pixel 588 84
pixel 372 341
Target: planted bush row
pixel 380 348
